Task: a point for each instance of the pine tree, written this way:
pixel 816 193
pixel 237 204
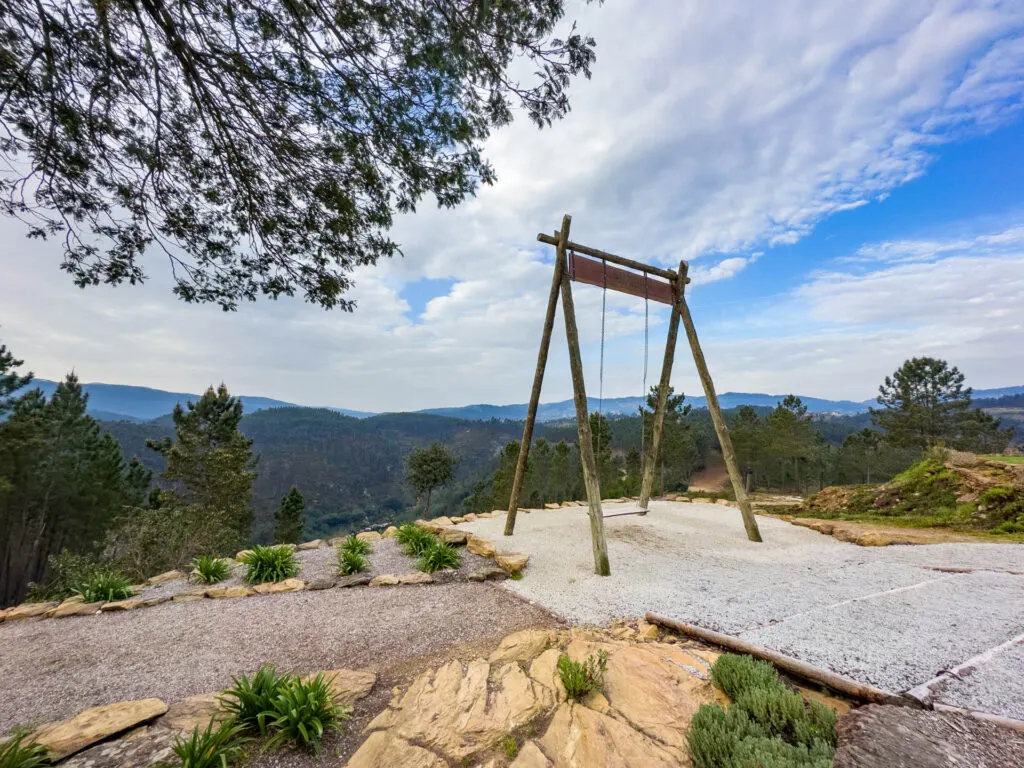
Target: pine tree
pixel 561 485
pixel 288 520
pixel 429 468
pixel 922 403
pixel 504 475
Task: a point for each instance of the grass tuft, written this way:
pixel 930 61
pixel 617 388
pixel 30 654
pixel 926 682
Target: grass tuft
pixel 438 555
pixel 360 547
pixel 210 569
pixel 269 564
pixel 247 700
pixel 579 678
pixel 104 586
pixel 301 712
pixel 15 753
pixel 413 539
pixel 350 562
pixel 510 747
pixel 212 748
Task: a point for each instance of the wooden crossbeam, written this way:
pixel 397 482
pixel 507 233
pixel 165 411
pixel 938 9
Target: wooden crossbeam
pixel 668 274
pixel 593 272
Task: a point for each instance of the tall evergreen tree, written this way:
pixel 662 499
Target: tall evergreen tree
pixel 289 520
pixel 504 475
pixel 561 478
pixel 429 468
pixel 923 403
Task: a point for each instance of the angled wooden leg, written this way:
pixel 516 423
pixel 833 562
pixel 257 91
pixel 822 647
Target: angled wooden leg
pixel 538 378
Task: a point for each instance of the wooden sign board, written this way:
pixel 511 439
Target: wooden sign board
pixel 594 272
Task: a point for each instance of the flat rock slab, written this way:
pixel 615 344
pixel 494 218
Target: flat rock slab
pixel 96 724
pixel 146 747
pixel 898 737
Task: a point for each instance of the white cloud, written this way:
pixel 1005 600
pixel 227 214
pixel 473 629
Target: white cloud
pixel 708 128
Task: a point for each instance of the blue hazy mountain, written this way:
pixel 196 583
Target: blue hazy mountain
pixel 114 402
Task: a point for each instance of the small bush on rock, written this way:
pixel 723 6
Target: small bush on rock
pixel 268 564
pixel 211 569
pixel 104 586
pixel 768 725
pixel 350 562
pixel 438 555
pixel 360 547
pixel 213 748
pixel 247 701
pixel 301 712
pixel 413 539
pixel 14 753
pixel 579 678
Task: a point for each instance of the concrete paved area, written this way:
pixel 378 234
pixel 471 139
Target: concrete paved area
pixel 891 616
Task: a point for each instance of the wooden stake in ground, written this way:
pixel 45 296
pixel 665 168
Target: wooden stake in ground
pixel 659 410
pixel 538 377
pixel 716 415
pixel 590 477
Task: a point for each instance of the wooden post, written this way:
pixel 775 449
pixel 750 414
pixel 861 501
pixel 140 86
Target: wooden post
pixel 716 416
pixel 659 410
pixel 590 477
pixel 538 377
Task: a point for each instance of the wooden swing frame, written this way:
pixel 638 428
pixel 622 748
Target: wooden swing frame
pixel 621 281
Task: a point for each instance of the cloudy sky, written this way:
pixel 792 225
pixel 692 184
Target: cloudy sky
pixel 845 178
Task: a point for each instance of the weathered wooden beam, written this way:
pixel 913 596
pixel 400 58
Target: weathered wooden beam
pixel 593 272
pixel 538 377
pixel 590 476
pixel 659 411
pixel 749 522
pixel 803 670
pixel 668 274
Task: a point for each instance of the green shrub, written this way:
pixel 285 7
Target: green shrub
pixel 438 555
pixel 212 748
pixel 413 539
pixel 768 725
pixel 266 564
pixel 510 747
pixel 66 571
pixel 247 701
pixel 301 712
pixel 211 569
pixel 734 674
pixel 579 678
pixel 1009 527
pixel 104 586
pixel 350 562
pixel 14 753
pixel 360 547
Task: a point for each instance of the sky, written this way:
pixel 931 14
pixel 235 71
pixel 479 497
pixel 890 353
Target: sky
pixel 845 179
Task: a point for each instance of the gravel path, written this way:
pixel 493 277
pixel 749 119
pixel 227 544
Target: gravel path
pixel 890 616
pixel 54 668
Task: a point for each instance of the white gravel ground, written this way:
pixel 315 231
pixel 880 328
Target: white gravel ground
pixel 883 615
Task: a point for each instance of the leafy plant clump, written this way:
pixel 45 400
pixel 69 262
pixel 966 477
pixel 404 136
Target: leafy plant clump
pixel 579 678
pixel 67 570
pixel 768 725
pixel 413 539
pixel 14 753
pixel 104 586
pixel 350 562
pixel 510 747
pixel 301 712
pixel 212 748
pixel 269 564
pixel 438 555
pixel 352 544
pixel 247 701
pixel 210 570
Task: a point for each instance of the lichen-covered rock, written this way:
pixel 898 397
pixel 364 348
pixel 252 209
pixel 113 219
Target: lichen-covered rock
pixel 28 611
pixel 314 544
pixel 416 578
pixel 74 608
pixel 390 532
pixel 144 747
pixel 323 582
pixel 470 517
pixel 369 536
pixel 193 712
pixel 96 724
pixel 384 580
pixel 454 536
pixel 348 685
pixel 355 580
pixel 487 574
pixel 218 593
pixel 189 595
pixel 524 645
pixel 384 749
pixel 162 578
pixel 552 505
pixel 579 737
pixel 512 563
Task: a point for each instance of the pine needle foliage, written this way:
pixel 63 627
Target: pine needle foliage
pixel 15 753
pixel 413 539
pixel 351 562
pixel 212 748
pixel 768 725
pixel 301 712
pixel 438 555
pixel 580 678
pixel 269 564
pixel 211 569
pixel 289 518
pixel 104 586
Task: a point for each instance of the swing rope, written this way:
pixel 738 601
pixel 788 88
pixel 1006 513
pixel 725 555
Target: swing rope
pixel 643 396
pixel 604 303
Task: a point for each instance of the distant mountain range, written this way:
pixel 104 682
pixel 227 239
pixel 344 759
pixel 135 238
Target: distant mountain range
pixel 116 402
